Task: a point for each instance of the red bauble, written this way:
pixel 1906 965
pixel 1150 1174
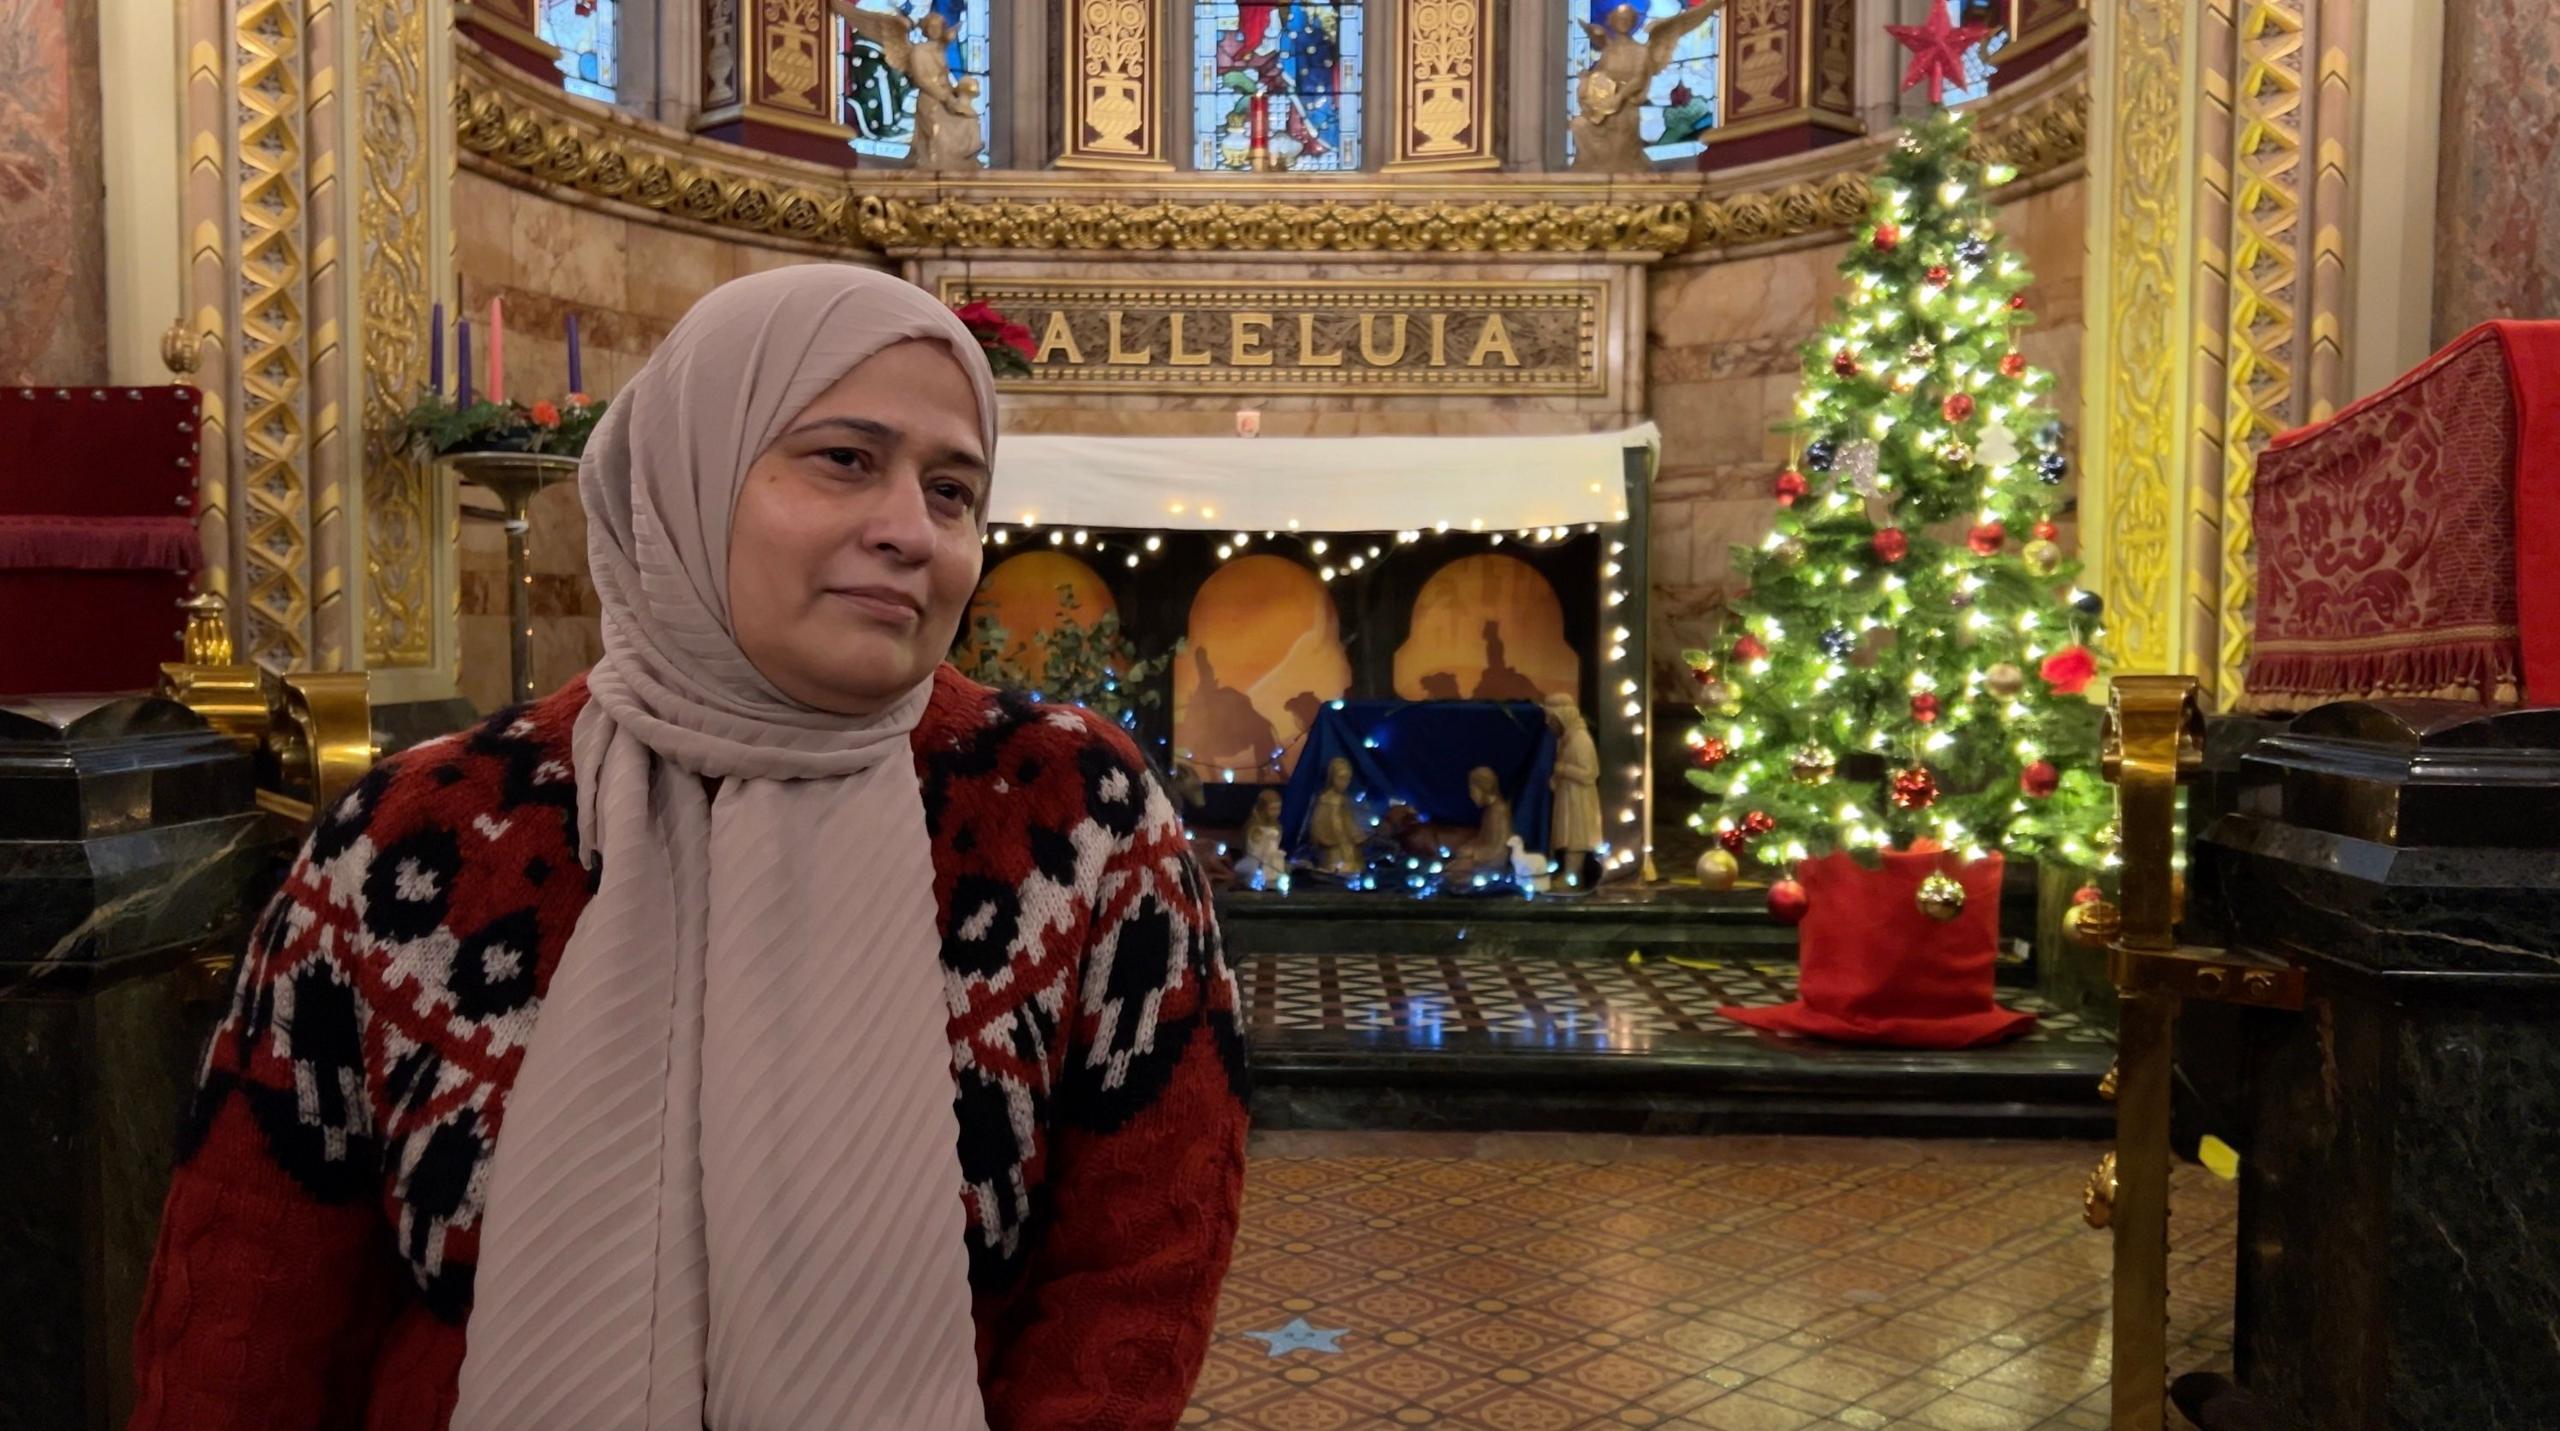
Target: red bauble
pixel 1749 648
pixel 2069 670
pixel 1788 902
pixel 2047 531
pixel 1915 789
pixel 1986 540
pixel 1924 708
pixel 1759 822
pixel 1734 842
pixel 2013 365
pixel 1938 275
pixel 1711 753
pixel 1891 544
pixel 2040 779
pixel 1888 238
pixel 2087 894
pixel 1790 487
pixel 1957 407
pixel 2018 302
pixel 1845 363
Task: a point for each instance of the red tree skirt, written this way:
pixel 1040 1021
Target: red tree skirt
pixel 1874 969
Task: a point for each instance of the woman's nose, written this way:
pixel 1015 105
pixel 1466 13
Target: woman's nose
pixel 897 522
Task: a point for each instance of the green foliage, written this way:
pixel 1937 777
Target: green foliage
pixel 1813 697
pixel 1093 666
pixel 436 426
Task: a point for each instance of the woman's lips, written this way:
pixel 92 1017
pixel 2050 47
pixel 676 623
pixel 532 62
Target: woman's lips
pixel 880 603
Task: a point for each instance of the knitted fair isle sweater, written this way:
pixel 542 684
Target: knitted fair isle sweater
pixel 316 1257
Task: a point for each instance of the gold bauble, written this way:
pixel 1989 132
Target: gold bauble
pixel 1718 870
pixel 2095 923
pixel 2109 836
pixel 1791 552
pixel 2004 680
pixel 1955 454
pixel 1941 898
pixel 2042 557
pixel 1812 765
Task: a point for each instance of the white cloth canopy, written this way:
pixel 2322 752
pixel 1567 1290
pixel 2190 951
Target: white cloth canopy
pixel 1316 484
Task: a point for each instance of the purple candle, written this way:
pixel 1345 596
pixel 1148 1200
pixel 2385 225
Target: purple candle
pixel 576 377
pixel 462 363
pixel 435 351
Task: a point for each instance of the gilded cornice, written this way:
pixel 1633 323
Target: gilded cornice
pixel 526 133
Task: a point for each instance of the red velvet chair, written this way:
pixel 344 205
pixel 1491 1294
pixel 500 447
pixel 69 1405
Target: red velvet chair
pixel 98 539
pixel 2410 545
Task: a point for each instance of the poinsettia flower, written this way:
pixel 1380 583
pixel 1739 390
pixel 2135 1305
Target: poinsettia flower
pixel 2069 670
pixel 1017 337
pixel 979 313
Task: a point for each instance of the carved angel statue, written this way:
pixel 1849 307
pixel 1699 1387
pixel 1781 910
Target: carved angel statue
pixel 946 124
pixel 1608 135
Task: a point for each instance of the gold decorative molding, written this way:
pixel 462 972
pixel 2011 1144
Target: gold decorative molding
pixel 1114 86
pixel 1443 63
pixel 274 355
pixel 2140 251
pixel 514 130
pixel 395 284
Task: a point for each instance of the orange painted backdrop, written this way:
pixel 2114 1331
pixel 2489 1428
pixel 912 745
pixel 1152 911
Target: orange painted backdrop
pixel 1021 593
pixel 1265 654
pixel 1486 628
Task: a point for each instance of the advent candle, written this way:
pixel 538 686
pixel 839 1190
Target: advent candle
pixel 462 363
pixel 497 353
pixel 435 351
pixel 577 382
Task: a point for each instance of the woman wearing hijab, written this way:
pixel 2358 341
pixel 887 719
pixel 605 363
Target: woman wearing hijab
pixel 770 1030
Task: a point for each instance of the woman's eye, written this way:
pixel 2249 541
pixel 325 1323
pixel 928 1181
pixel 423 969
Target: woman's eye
pixel 960 495
pixel 852 459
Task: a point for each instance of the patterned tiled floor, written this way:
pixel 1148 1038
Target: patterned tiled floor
pixel 1614 1003
pixel 1556 1283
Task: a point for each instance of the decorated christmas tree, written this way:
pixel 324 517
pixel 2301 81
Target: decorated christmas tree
pixel 1907 667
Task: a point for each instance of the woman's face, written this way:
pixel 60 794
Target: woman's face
pixel 854 548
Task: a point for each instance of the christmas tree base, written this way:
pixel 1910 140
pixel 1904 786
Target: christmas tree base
pixel 1876 970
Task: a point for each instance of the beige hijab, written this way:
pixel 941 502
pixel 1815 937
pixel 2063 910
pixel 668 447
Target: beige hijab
pixel 726 1191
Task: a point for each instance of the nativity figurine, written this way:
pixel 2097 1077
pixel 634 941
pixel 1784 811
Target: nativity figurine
pixel 1574 826
pixel 1335 829
pixel 947 135
pixel 1265 861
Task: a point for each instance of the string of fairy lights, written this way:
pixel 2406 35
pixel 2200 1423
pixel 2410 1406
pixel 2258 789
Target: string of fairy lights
pixel 1334 556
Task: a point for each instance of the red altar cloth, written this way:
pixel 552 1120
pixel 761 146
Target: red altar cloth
pixel 98 539
pixel 1874 969
pixel 2410 545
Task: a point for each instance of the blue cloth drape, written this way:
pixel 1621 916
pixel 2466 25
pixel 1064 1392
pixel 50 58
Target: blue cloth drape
pixel 1418 753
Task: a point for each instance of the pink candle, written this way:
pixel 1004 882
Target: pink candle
pixel 1258 123
pixel 497 353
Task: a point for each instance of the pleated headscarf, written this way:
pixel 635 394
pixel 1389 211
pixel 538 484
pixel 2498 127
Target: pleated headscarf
pixel 727 1191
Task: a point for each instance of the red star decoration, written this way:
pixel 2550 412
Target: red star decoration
pixel 1937 50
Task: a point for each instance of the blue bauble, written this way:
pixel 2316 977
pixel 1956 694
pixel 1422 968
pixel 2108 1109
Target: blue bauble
pixel 2051 467
pixel 1837 643
pixel 1819 453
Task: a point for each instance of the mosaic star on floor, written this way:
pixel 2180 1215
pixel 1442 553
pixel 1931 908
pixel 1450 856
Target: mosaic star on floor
pixel 1554 1282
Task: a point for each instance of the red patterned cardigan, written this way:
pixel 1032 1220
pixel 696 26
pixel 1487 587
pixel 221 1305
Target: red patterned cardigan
pixel 316 1257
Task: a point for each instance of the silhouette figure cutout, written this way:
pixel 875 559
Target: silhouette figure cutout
pixel 1220 727
pixel 1441 686
pixel 1500 682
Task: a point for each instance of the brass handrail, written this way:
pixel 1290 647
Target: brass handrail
pixel 2151 742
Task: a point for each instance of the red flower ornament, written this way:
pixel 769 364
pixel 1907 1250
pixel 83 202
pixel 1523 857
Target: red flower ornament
pixel 2069 670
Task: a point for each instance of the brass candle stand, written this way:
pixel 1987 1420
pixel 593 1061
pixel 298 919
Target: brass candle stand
pixel 514 478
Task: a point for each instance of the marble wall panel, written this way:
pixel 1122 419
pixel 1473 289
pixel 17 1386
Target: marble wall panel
pixel 2498 166
pixel 53 322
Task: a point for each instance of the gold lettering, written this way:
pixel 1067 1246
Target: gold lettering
pixel 1369 341
pixel 1122 357
pixel 1495 338
pixel 1246 333
pixel 1308 357
pixel 1055 338
pixel 1439 340
pixel 1197 358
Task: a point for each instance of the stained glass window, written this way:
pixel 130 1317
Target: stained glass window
pixel 1680 107
pixel 590 46
pixel 879 100
pixel 1301 58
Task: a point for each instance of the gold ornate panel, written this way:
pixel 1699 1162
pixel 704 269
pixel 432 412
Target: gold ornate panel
pixel 1511 338
pixel 1114 86
pixel 394 288
pixel 514 130
pixel 1444 75
pixel 272 493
